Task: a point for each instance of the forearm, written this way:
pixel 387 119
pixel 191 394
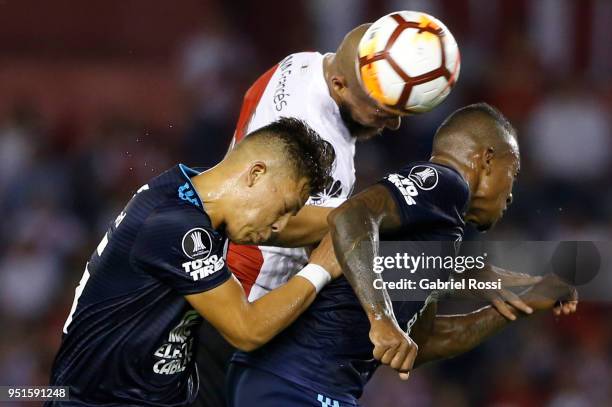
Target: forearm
pixel 246 325
pixel 304 229
pixel 452 335
pixel 264 318
pixel 276 310
pixel 355 239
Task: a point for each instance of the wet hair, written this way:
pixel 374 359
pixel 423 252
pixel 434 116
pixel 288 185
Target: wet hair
pixel 309 155
pixel 476 124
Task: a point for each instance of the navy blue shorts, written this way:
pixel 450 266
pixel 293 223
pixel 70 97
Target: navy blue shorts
pixel 250 387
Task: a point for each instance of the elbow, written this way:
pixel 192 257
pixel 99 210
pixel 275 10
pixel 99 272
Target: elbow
pixel 247 341
pixel 248 344
pixel 340 218
pixel 333 216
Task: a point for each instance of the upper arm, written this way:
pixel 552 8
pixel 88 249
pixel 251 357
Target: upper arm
pixel 179 248
pixel 223 307
pixel 250 325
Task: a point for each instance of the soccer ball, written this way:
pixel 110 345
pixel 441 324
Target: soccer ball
pixel 408 61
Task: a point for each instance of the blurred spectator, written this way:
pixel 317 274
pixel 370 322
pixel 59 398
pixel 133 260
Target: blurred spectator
pixel 549 27
pixel 28 280
pixel 569 136
pixel 332 19
pixel 18 134
pixel 213 82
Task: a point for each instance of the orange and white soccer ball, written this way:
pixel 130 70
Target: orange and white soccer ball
pixel 408 61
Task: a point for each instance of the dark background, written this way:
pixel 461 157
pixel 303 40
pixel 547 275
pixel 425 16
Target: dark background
pixel 96 97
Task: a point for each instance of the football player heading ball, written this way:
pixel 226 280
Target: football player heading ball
pixel 336 94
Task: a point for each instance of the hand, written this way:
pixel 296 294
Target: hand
pixel 567 307
pixel 325 257
pixel 553 293
pixel 502 300
pixel 392 346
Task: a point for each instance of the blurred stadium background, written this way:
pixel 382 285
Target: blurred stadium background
pixel 97 97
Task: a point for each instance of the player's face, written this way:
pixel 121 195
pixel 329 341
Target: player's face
pixel 266 208
pixel 494 192
pixel 364 117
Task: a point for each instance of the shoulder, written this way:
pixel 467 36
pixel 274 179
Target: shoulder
pixel 427 192
pixel 179 246
pixel 290 84
pixel 179 225
pixel 301 60
pixel 428 179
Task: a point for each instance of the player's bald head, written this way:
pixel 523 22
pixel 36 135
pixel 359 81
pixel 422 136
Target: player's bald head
pixel 473 128
pixel 346 54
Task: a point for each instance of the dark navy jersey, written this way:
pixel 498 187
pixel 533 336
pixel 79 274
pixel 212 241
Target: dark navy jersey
pixel 328 348
pixel 129 338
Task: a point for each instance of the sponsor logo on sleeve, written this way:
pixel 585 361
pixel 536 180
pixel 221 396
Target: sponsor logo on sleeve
pixel 405 186
pixel 200 268
pixel 197 245
pixel 424 177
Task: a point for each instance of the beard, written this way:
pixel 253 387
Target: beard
pixel 357 130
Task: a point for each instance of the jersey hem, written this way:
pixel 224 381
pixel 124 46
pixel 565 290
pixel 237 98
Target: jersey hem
pixel 297 381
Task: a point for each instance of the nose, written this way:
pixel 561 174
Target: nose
pixel 280 224
pixel 509 200
pixel 393 123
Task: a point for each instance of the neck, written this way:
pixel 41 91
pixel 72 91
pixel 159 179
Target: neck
pixel 467 172
pixel 212 187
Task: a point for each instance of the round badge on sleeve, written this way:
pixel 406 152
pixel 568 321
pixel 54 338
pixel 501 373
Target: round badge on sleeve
pixel 197 243
pixel 424 176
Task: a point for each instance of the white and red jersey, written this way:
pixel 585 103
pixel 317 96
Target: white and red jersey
pixel 295 87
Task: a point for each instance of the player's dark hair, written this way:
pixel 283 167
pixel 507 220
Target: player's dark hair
pixel 488 110
pixel 476 120
pixel 310 155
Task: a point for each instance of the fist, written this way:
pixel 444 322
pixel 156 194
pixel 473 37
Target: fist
pixel 393 347
pixel 552 292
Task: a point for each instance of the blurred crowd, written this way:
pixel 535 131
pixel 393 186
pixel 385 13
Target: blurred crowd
pixel 546 65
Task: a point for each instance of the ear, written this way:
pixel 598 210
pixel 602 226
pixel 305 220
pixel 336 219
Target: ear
pixel 339 83
pixel 487 159
pixel 255 172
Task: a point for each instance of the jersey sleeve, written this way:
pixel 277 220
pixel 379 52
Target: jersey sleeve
pixel 180 248
pixel 424 194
